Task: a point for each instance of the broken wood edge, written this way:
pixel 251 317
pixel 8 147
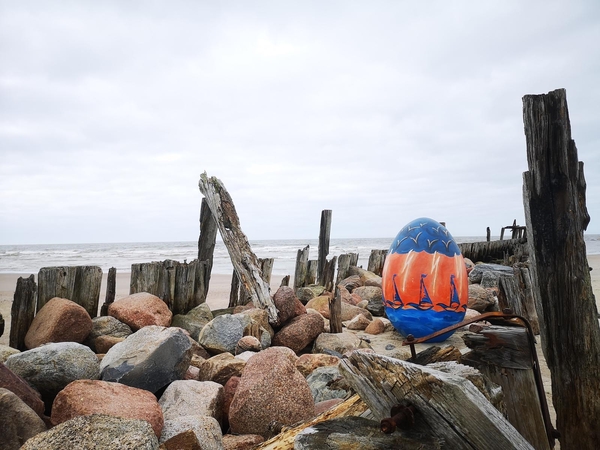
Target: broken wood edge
pixel 354 406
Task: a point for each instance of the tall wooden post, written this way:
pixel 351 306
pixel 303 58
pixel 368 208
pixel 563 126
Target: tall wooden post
pixel 207 241
pixel 556 215
pixel 324 231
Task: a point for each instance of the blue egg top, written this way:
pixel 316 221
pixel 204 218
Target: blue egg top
pixel 425 235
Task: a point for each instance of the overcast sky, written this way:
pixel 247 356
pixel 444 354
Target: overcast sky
pixel 383 111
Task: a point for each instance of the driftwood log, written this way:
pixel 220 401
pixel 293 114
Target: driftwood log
pixel 242 257
pixel 447 407
pixel 556 216
pixel 207 242
pixel 22 311
pixel 80 284
pixel 436 354
pixel 503 354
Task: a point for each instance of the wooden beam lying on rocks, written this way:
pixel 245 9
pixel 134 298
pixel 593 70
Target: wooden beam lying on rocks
pixel 448 407
pixel 354 406
pixel 242 257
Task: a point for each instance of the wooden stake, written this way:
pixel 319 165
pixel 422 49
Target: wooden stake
pixel 324 232
pixel 111 290
pixel 22 311
pixel 207 242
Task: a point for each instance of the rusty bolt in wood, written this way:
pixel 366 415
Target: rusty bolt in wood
pixel 402 417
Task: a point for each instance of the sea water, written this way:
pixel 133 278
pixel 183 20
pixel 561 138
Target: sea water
pixel 31 258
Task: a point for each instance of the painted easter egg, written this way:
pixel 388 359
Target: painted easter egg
pixel 424 280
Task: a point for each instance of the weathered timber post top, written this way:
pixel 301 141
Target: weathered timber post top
pixel 244 260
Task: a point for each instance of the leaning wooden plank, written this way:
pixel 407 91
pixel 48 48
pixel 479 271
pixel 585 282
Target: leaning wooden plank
pixel 354 406
pixel 450 407
pixel 242 257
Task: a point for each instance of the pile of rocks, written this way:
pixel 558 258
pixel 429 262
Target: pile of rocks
pixel 141 378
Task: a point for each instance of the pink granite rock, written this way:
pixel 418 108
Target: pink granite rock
pixel 228 393
pixel 310 361
pixel 358 323
pixel 59 320
pixel 141 309
pixel 299 332
pixel 348 297
pixel 248 343
pixel 377 326
pixel 85 397
pixel 14 383
pixel 287 304
pixel 321 304
pixel 270 389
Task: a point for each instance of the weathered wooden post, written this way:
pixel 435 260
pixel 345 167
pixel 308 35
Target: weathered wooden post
pixel 335 313
pixel 207 242
pixel 556 215
pixel 516 294
pixel 503 354
pixel 22 311
pixel 376 261
pixel 111 290
pixel 80 284
pixel 324 232
pixel 488 234
pixel 301 267
pixel 242 257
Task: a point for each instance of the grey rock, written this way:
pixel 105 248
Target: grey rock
pixel 327 383
pixel 359 432
pixel 150 358
pixel 19 421
pixel 6 351
pixel 476 274
pixel 480 298
pixel 339 343
pixel 190 397
pixel 106 326
pixel 206 429
pixel 96 431
pixel 194 320
pixel 307 293
pixel 51 367
pixel 223 333
pixel 374 297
